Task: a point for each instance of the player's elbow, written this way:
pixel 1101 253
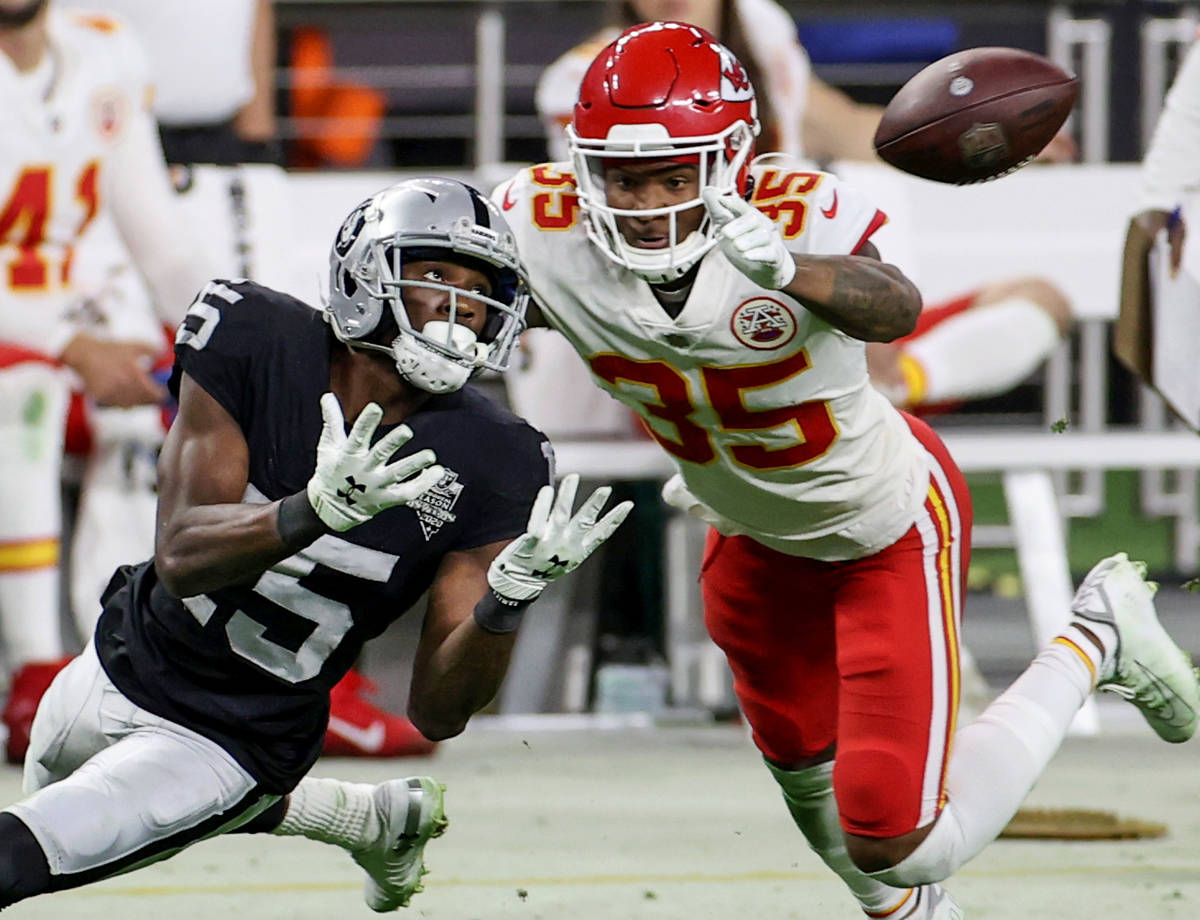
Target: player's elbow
pixel 910 311
pixel 436 726
pixel 889 321
pixel 905 310
pixel 181 572
pixel 175 575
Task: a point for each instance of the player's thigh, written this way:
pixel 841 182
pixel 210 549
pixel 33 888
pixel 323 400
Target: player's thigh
pixel 772 615
pixel 898 618
pixel 67 728
pixel 147 789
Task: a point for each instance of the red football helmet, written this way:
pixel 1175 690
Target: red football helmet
pixel 662 90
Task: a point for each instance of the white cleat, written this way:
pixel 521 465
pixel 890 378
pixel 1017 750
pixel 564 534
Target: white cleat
pixel 1148 668
pixel 926 902
pixel 411 814
pixel 940 905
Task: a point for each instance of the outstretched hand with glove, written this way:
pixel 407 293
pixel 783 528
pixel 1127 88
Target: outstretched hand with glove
pixel 353 480
pixel 749 239
pixel 555 542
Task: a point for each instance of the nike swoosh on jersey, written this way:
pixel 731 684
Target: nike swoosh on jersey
pixel 509 202
pixel 831 211
pixel 370 739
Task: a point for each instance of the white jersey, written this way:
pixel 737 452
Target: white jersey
pixel 783 66
pixel 77 143
pixel 765 408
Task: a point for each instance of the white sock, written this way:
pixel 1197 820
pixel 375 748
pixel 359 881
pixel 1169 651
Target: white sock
pixel 983 351
pixel 995 762
pixel 331 811
pixel 809 797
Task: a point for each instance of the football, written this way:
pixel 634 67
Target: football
pixel 975 115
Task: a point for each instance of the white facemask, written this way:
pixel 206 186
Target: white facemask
pixel 435 371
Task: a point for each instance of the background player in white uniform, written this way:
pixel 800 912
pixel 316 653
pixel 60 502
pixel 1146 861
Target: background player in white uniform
pixel 213 67
pixel 729 307
pixel 78 156
pixel 959 350
pixel 285 543
pixel 1170 176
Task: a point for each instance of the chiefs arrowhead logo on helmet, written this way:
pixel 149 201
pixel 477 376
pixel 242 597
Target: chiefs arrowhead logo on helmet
pixel 735 84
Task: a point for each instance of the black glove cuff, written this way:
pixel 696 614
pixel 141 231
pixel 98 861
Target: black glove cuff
pixel 297 523
pixel 499 615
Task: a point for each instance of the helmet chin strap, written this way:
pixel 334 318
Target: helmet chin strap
pixel 431 370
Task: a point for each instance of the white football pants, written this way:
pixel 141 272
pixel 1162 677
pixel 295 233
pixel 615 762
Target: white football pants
pixel 113 787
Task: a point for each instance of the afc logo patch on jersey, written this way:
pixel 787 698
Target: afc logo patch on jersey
pixel 435 508
pixel 763 324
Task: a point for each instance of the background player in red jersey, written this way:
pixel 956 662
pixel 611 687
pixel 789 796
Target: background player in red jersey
pixel 284 543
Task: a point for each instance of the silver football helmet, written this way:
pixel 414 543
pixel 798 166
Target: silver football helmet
pixel 426 218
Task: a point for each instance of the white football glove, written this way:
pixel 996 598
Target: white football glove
pixel 749 239
pixel 354 481
pixel 554 542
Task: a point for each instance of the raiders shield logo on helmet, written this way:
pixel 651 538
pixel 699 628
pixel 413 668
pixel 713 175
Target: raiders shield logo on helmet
pixel 350 229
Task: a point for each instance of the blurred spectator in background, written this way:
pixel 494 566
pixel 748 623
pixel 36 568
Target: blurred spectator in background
pixel 80 164
pixel 213 69
pixel 981 344
pixel 1171 166
pixel 1170 178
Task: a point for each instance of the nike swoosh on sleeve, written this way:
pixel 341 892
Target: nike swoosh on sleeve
pixel 509 202
pixel 831 211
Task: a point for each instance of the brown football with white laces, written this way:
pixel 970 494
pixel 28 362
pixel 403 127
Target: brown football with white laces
pixel 975 115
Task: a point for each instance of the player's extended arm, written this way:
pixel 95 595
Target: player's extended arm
pixel 858 294
pixel 479 597
pixel 208 538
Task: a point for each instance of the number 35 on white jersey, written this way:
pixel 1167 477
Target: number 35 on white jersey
pixel 766 409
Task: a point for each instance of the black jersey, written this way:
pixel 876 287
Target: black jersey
pixel 251 666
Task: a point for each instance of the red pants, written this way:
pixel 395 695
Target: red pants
pixel 861 654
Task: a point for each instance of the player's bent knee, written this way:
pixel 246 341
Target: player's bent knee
pixel 24 871
pixel 930 854
pixel 877 795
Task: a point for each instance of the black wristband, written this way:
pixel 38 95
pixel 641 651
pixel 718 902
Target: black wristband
pixel 499 615
pixel 297 523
